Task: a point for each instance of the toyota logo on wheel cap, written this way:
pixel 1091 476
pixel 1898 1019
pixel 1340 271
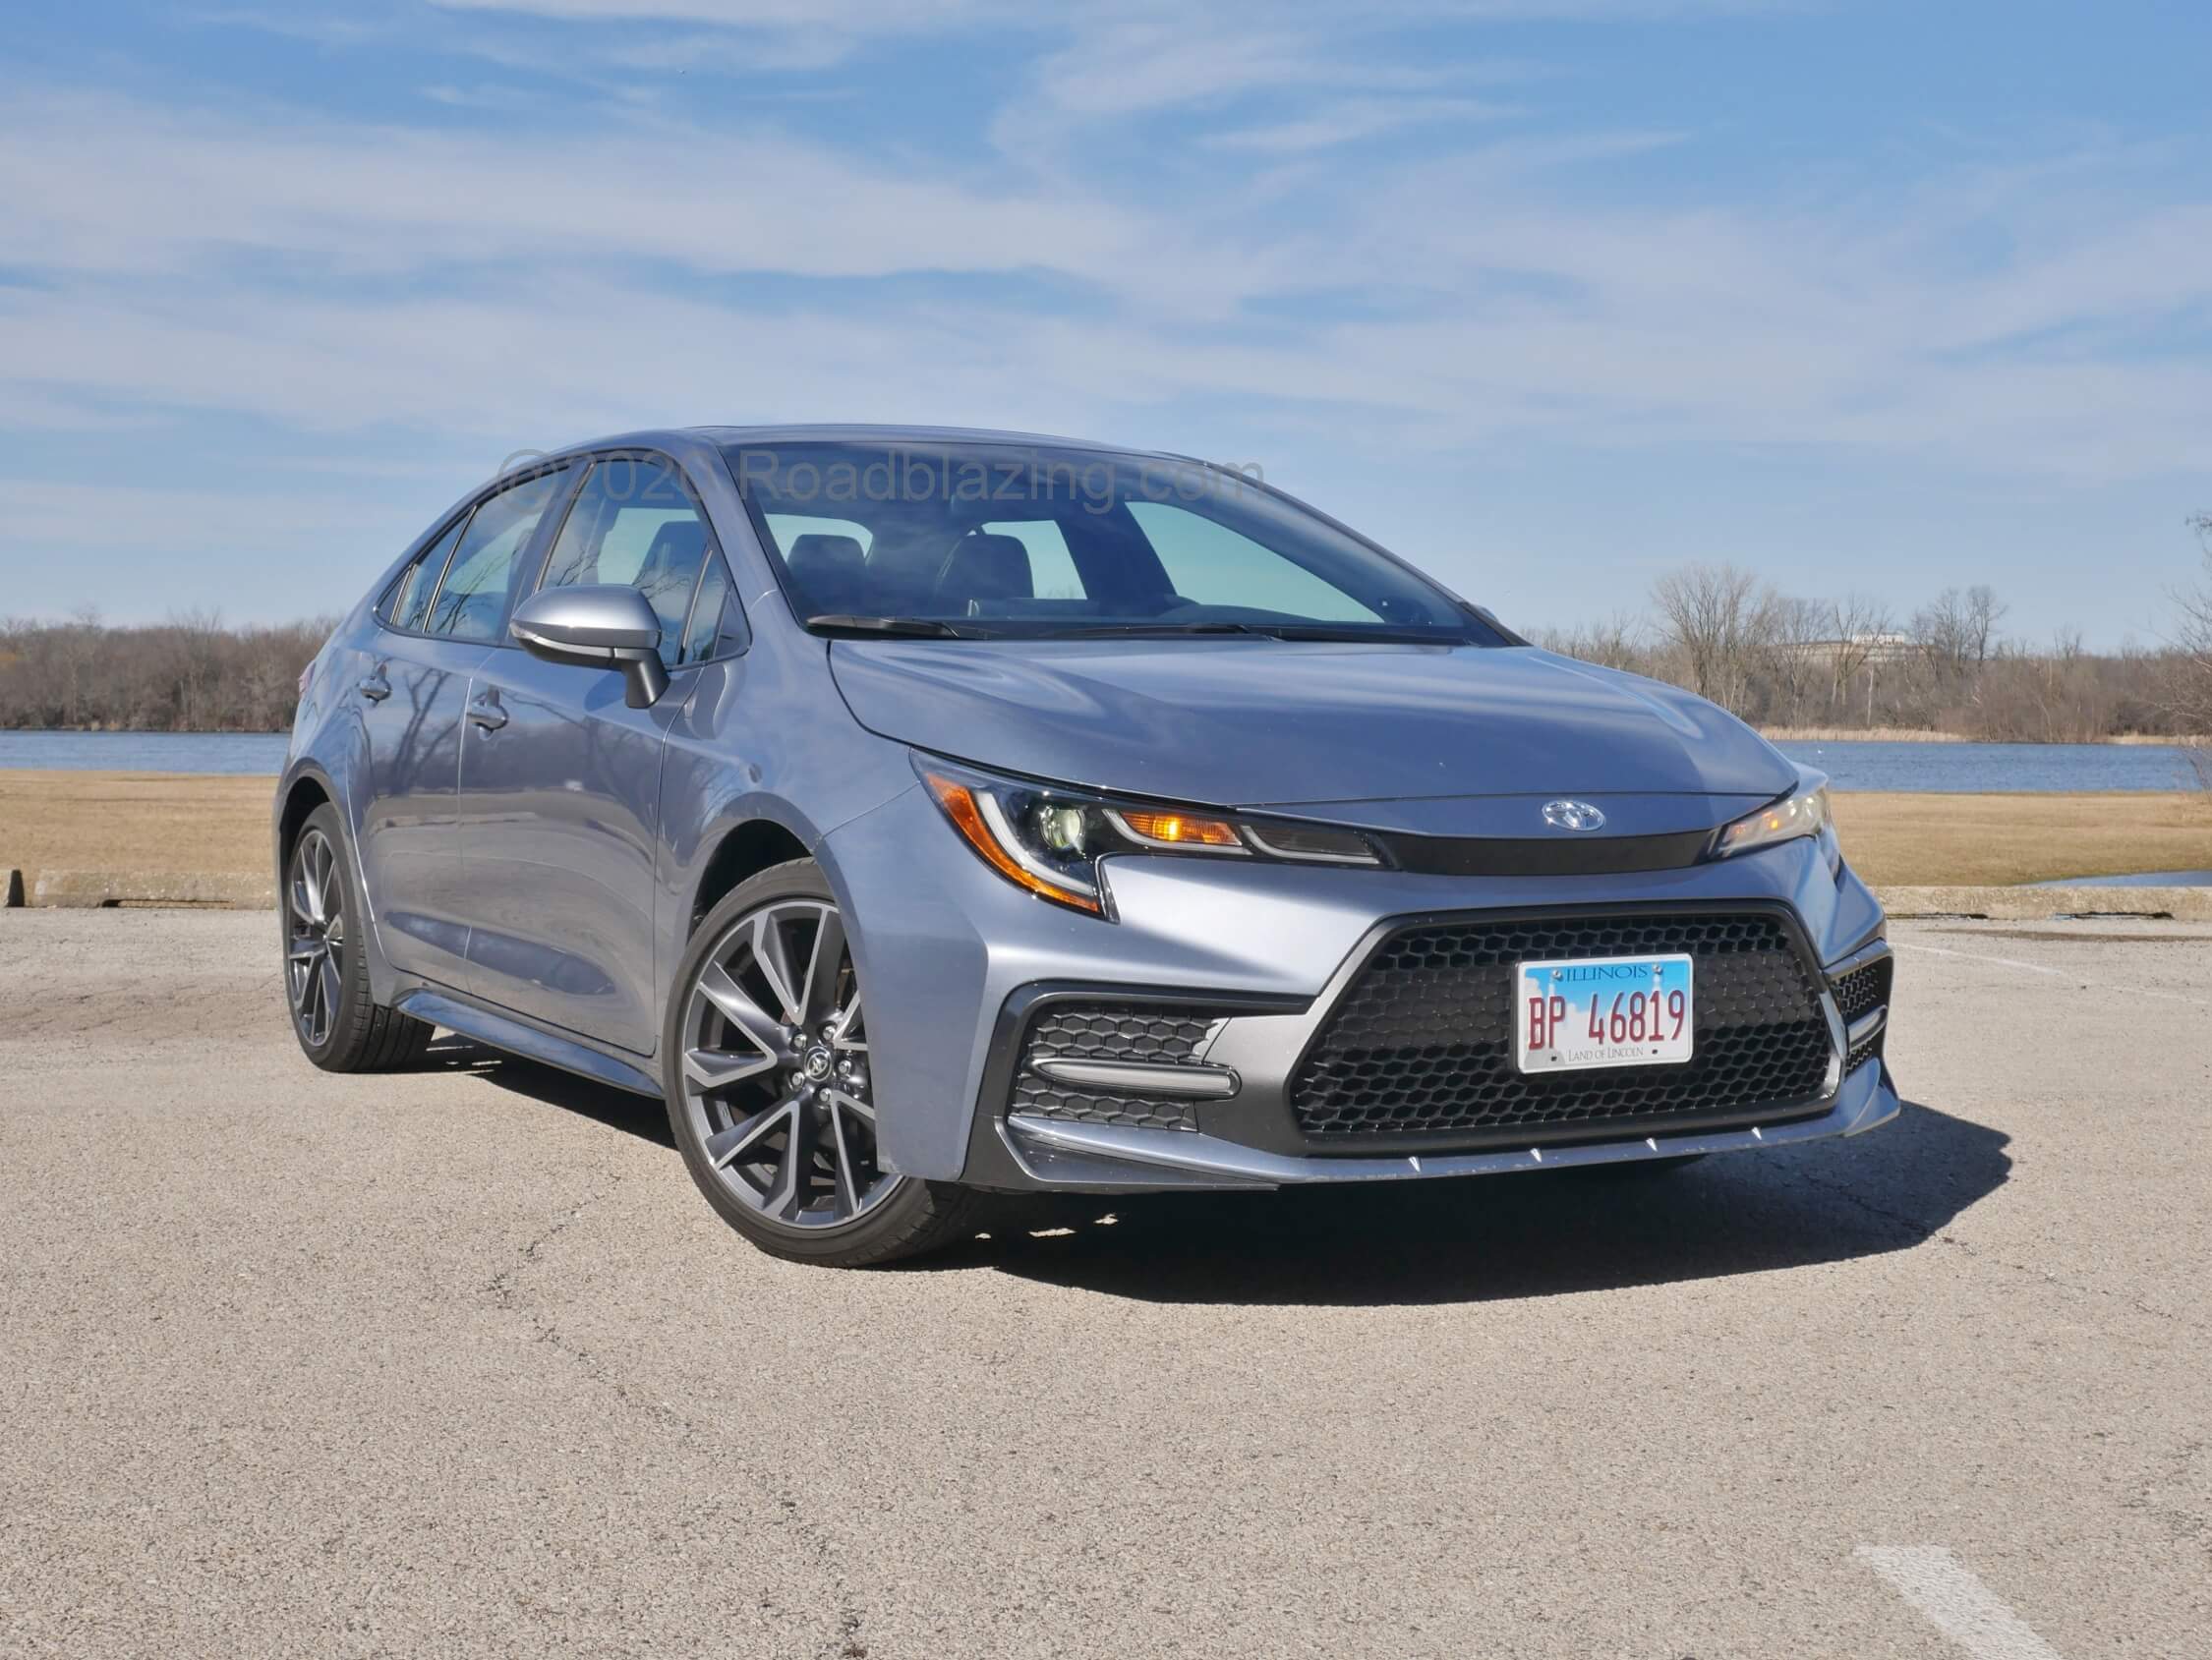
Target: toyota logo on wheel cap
pixel 1572 815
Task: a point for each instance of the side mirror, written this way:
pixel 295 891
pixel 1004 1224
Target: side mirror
pixel 604 625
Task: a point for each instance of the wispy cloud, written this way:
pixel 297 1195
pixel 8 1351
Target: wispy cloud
pixel 1351 120
pixel 1306 225
pixel 246 263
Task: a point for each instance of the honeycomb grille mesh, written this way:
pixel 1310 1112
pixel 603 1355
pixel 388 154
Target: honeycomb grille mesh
pixel 1864 990
pixel 1859 994
pixel 1422 1041
pixel 1865 1049
pixel 1072 1031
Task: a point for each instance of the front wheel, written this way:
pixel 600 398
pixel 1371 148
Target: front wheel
pixel 771 1089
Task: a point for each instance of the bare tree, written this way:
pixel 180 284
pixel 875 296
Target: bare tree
pixel 1945 631
pixel 1718 617
pixel 1795 653
pixel 2192 693
pixel 1614 641
pixel 1860 623
pixel 1984 611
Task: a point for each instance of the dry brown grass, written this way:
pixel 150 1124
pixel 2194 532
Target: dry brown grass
pixel 176 822
pixel 135 822
pixel 1994 840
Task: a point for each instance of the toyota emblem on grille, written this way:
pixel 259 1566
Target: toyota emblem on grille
pixel 1572 815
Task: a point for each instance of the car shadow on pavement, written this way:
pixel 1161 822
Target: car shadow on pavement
pixel 1543 1234
pixel 617 1109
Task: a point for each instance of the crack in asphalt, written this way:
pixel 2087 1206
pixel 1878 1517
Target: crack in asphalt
pixel 1921 1231
pixel 2183 1525
pixel 823 1551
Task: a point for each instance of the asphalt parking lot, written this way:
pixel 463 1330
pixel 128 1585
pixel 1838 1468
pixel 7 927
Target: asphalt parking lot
pixel 457 1362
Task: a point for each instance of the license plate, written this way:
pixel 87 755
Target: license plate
pixel 1603 1012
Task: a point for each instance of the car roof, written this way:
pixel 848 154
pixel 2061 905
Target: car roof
pixel 832 432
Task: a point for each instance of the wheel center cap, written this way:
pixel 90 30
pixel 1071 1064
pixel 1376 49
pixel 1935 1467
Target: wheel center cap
pixel 816 1064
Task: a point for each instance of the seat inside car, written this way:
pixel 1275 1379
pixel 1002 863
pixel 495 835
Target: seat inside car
pixel 982 566
pixel 831 571
pixel 671 561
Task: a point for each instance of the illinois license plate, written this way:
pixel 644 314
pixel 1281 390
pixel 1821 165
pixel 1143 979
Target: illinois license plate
pixel 1603 1012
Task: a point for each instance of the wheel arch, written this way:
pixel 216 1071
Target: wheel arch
pixel 744 849
pixel 308 790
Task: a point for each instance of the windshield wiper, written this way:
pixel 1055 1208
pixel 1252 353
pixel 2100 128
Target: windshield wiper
pixel 922 628
pixel 1301 631
pixel 1114 629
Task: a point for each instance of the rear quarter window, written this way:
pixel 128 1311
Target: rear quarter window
pixel 406 603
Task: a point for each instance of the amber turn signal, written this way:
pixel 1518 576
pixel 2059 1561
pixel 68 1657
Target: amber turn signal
pixel 1178 829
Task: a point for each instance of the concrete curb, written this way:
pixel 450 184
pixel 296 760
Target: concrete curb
pixel 2038 904
pixel 91 890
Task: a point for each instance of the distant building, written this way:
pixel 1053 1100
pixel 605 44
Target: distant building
pixel 1859 649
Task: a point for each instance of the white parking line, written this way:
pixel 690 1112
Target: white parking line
pixel 2054 973
pixel 1955 1602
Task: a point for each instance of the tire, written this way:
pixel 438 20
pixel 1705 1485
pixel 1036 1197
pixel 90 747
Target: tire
pixel 341 1028
pixel 764 1056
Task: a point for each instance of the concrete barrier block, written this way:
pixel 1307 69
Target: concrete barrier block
pixel 95 888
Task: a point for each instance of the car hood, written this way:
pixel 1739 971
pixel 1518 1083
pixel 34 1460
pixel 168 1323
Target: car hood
pixel 1258 723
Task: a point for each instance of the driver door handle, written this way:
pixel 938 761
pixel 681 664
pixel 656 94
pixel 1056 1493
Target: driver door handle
pixel 486 711
pixel 376 688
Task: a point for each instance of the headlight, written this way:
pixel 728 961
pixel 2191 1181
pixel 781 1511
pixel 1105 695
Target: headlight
pixel 1805 813
pixel 1049 841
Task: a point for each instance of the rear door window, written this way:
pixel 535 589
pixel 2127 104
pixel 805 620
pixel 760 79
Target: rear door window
pixel 472 602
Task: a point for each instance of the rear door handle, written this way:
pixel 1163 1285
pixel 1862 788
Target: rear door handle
pixel 376 688
pixel 487 713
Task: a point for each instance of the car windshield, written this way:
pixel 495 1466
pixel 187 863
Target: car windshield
pixel 984 539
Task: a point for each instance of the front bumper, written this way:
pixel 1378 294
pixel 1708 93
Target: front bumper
pixel 958 964
pixel 1119 1159
pixel 1101 1089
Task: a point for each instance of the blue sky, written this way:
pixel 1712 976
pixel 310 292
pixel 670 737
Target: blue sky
pixel 1548 294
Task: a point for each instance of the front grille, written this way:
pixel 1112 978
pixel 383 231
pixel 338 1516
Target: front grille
pixel 1859 994
pixel 1099 1031
pixel 1864 990
pixel 1421 1039
pixel 1865 1049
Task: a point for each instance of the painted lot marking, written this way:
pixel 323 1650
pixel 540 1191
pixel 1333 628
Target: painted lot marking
pixel 2053 973
pixel 1955 1602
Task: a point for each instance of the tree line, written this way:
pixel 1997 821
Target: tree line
pixel 1851 662
pixel 189 674
pixel 1855 663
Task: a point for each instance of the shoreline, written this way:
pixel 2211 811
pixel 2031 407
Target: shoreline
pixel 1921 735
pixel 1773 734
pixel 216 826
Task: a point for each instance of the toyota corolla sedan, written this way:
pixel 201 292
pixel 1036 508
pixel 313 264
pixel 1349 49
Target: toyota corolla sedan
pixel 926 814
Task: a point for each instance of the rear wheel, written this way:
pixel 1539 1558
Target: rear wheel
pixel 340 1028
pixel 771 1085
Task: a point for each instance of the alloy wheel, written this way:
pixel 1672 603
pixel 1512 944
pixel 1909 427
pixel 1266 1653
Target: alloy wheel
pixel 315 959
pixel 776 1082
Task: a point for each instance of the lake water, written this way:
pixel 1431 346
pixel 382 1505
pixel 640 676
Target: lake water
pixel 1951 768
pixel 1965 769
pixel 147 752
